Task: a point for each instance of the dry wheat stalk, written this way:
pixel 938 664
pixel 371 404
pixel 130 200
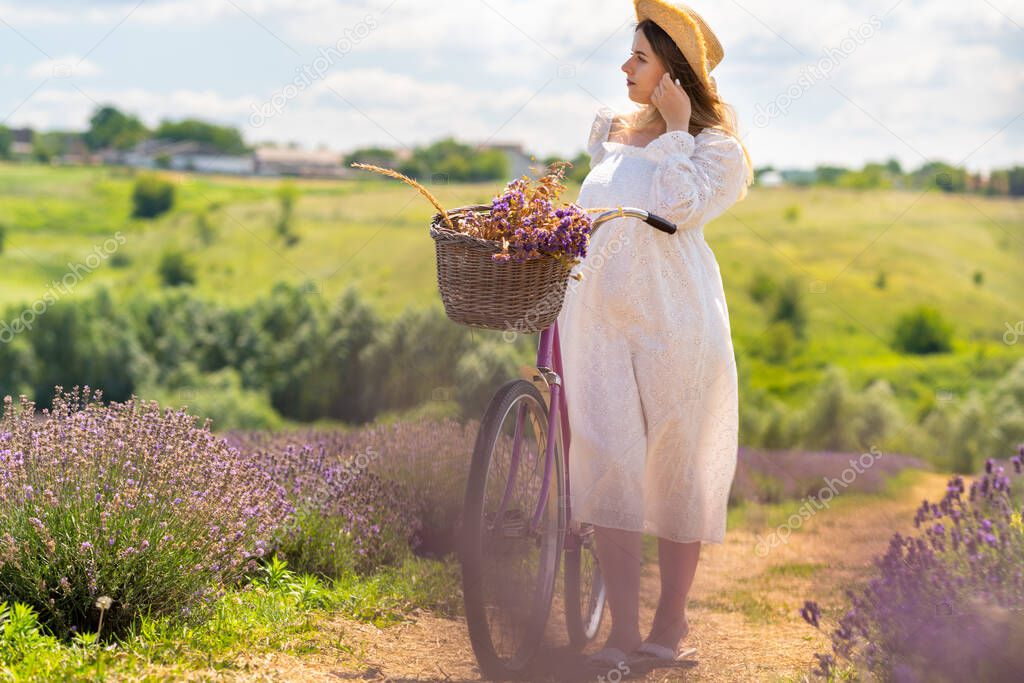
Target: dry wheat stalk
pixel 405 179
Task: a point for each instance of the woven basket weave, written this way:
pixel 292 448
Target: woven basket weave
pixel 480 292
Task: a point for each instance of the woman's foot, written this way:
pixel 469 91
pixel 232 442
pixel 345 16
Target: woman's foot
pixel 625 642
pixel 668 632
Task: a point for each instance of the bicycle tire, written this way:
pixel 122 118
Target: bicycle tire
pixel 584 594
pixel 493 664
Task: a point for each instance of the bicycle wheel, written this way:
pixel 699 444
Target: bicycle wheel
pixel 509 564
pixel 584 590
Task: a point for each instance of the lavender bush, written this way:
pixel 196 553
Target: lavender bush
pixel 124 507
pixel 768 476
pixel 347 518
pixel 404 481
pixel 946 605
pixel 431 458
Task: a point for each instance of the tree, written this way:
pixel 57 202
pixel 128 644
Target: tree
pixel 378 156
pixel 829 175
pixel 109 127
pixel 43 148
pixel 5 142
pixel 452 161
pixel 941 175
pixel 226 139
pixel 1016 181
pixel 871 177
pixel 894 167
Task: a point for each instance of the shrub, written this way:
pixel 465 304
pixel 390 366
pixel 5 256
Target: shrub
pixel 792 213
pixel 969 437
pixel 481 370
pixel 176 269
pixel 877 415
pixel 923 330
pixel 779 343
pixel 205 230
pixel 3 237
pixel 126 502
pixel 778 427
pixel 287 195
pixel 790 307
pixel 762 286
pixel 313 359
pixel 152 196
pixel 120 260
pixel 87 341
pixel 219 397
pixel 829 417
pixel 18 367
pixel 415 356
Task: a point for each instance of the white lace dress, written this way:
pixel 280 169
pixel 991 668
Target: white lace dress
pixel 649 368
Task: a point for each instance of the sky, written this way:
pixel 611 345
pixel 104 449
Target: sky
pixel 835 82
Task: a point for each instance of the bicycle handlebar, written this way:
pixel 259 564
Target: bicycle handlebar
pixel 651 219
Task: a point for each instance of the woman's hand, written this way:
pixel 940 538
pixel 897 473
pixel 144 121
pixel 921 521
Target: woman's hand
pixel 673 103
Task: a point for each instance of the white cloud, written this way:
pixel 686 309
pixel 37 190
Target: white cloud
pixel 69 107
pixel 941 75
pixel 21 15
pixel 69 66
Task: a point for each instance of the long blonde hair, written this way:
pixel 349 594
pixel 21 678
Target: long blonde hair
pixel 709 111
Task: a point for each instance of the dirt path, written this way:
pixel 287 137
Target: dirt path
pixel 743 611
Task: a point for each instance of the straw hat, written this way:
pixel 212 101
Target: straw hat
pixel 690 32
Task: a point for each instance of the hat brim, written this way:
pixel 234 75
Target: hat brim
pixel 684 31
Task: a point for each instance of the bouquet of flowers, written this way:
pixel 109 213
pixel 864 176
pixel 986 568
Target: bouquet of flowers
pixel 524 218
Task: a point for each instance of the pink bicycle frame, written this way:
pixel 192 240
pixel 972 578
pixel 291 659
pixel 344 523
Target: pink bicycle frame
pixel 549 364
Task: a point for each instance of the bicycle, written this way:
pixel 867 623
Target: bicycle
pixel 517 515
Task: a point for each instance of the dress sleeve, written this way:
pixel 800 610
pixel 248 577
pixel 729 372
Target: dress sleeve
pixel 598 134
pixel 697 178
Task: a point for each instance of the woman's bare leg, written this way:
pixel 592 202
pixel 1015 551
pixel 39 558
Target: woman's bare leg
pixel 620 553
pixel 678 565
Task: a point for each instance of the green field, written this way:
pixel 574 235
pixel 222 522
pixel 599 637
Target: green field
pixel 373 234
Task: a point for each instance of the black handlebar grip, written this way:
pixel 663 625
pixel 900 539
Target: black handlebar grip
pixel 660 223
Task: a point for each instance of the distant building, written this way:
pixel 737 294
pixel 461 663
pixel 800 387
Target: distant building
pixel 519 162
pixel 21 142
pixel 183 155
pixel 74 151
pixel 276 161
pixel 799 177
pixel 770 179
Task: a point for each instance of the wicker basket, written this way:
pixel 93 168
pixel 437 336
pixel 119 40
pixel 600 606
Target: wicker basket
pixel 480 292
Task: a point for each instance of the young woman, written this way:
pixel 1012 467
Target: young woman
pixel 649 367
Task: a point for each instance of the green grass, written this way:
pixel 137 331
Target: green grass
pixel 373 234
pixel 277 613
pixel 798 570
pixel 752 606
